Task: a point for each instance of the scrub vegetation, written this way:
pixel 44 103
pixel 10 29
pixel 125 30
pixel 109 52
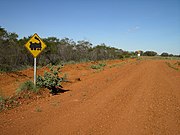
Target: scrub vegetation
pixel 14 56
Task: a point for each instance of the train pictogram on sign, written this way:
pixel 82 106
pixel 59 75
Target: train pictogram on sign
pixel 35 45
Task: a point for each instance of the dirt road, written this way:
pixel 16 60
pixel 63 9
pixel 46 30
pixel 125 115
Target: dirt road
pixel 139 98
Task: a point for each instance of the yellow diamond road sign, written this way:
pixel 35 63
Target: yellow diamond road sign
pixel 35 45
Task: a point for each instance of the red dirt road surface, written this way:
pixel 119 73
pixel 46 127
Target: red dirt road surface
pixel 136 98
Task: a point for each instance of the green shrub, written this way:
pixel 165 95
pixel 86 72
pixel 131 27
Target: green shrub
pixel 102 64
pixel 95 66
pixel 98 66
pixel 51 80
pixel 28 85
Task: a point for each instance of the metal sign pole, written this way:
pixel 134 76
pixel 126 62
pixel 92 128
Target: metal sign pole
pixel 35 71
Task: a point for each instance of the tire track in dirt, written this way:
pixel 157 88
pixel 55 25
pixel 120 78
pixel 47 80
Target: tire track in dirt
pixel 136 98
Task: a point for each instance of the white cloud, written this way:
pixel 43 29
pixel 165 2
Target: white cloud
pixel 133 29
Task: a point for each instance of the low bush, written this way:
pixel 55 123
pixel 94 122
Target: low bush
pixel 95 66
pixel 51 80
pixel 102 64
pixel 98 66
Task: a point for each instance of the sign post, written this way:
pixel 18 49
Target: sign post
pixel 35 71
pixel 35 46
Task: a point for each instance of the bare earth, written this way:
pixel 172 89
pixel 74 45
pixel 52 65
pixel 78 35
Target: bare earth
pixel 135 98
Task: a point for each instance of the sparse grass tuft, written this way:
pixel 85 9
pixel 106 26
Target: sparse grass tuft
pixel 98 66
pixel 65 78
pixel 28 85
pixel 171 66
pixel 38 109
pixel 177 63
pixel 117 65
pixel 26 96
pixel 1 98
pixel 7 103
pixel 2 101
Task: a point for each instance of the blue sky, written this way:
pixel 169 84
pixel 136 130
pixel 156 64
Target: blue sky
pixel 127 24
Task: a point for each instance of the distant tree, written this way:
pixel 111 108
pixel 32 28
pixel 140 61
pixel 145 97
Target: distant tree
pixel 82 49
pixel 171 55
pixel 165 54
pixel 126 54
pixel 13 54
pixel 3 34
pixel 12 37
pixel 150 53
pixel 9 50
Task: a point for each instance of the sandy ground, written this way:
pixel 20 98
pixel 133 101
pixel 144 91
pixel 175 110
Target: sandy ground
pixel 133 98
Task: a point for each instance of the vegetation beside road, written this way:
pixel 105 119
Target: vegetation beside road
pixel 14 56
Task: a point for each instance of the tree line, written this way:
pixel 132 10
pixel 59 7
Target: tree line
pixel 14 56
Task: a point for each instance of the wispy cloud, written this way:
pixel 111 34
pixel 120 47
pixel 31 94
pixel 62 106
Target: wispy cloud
pixel 133 29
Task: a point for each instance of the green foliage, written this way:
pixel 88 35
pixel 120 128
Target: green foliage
pixel 98 66
pixel 102 64
pixel 5 68
pixel 2 98
pixel 150 53
pixel 14 56
pixel 95 66
pixel 2 103
pixel 51 80
pixel 164 54
pixel 28 85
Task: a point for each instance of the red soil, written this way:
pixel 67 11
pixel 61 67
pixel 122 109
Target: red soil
pixel 136 97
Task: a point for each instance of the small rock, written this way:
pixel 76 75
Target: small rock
pixel 78 79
